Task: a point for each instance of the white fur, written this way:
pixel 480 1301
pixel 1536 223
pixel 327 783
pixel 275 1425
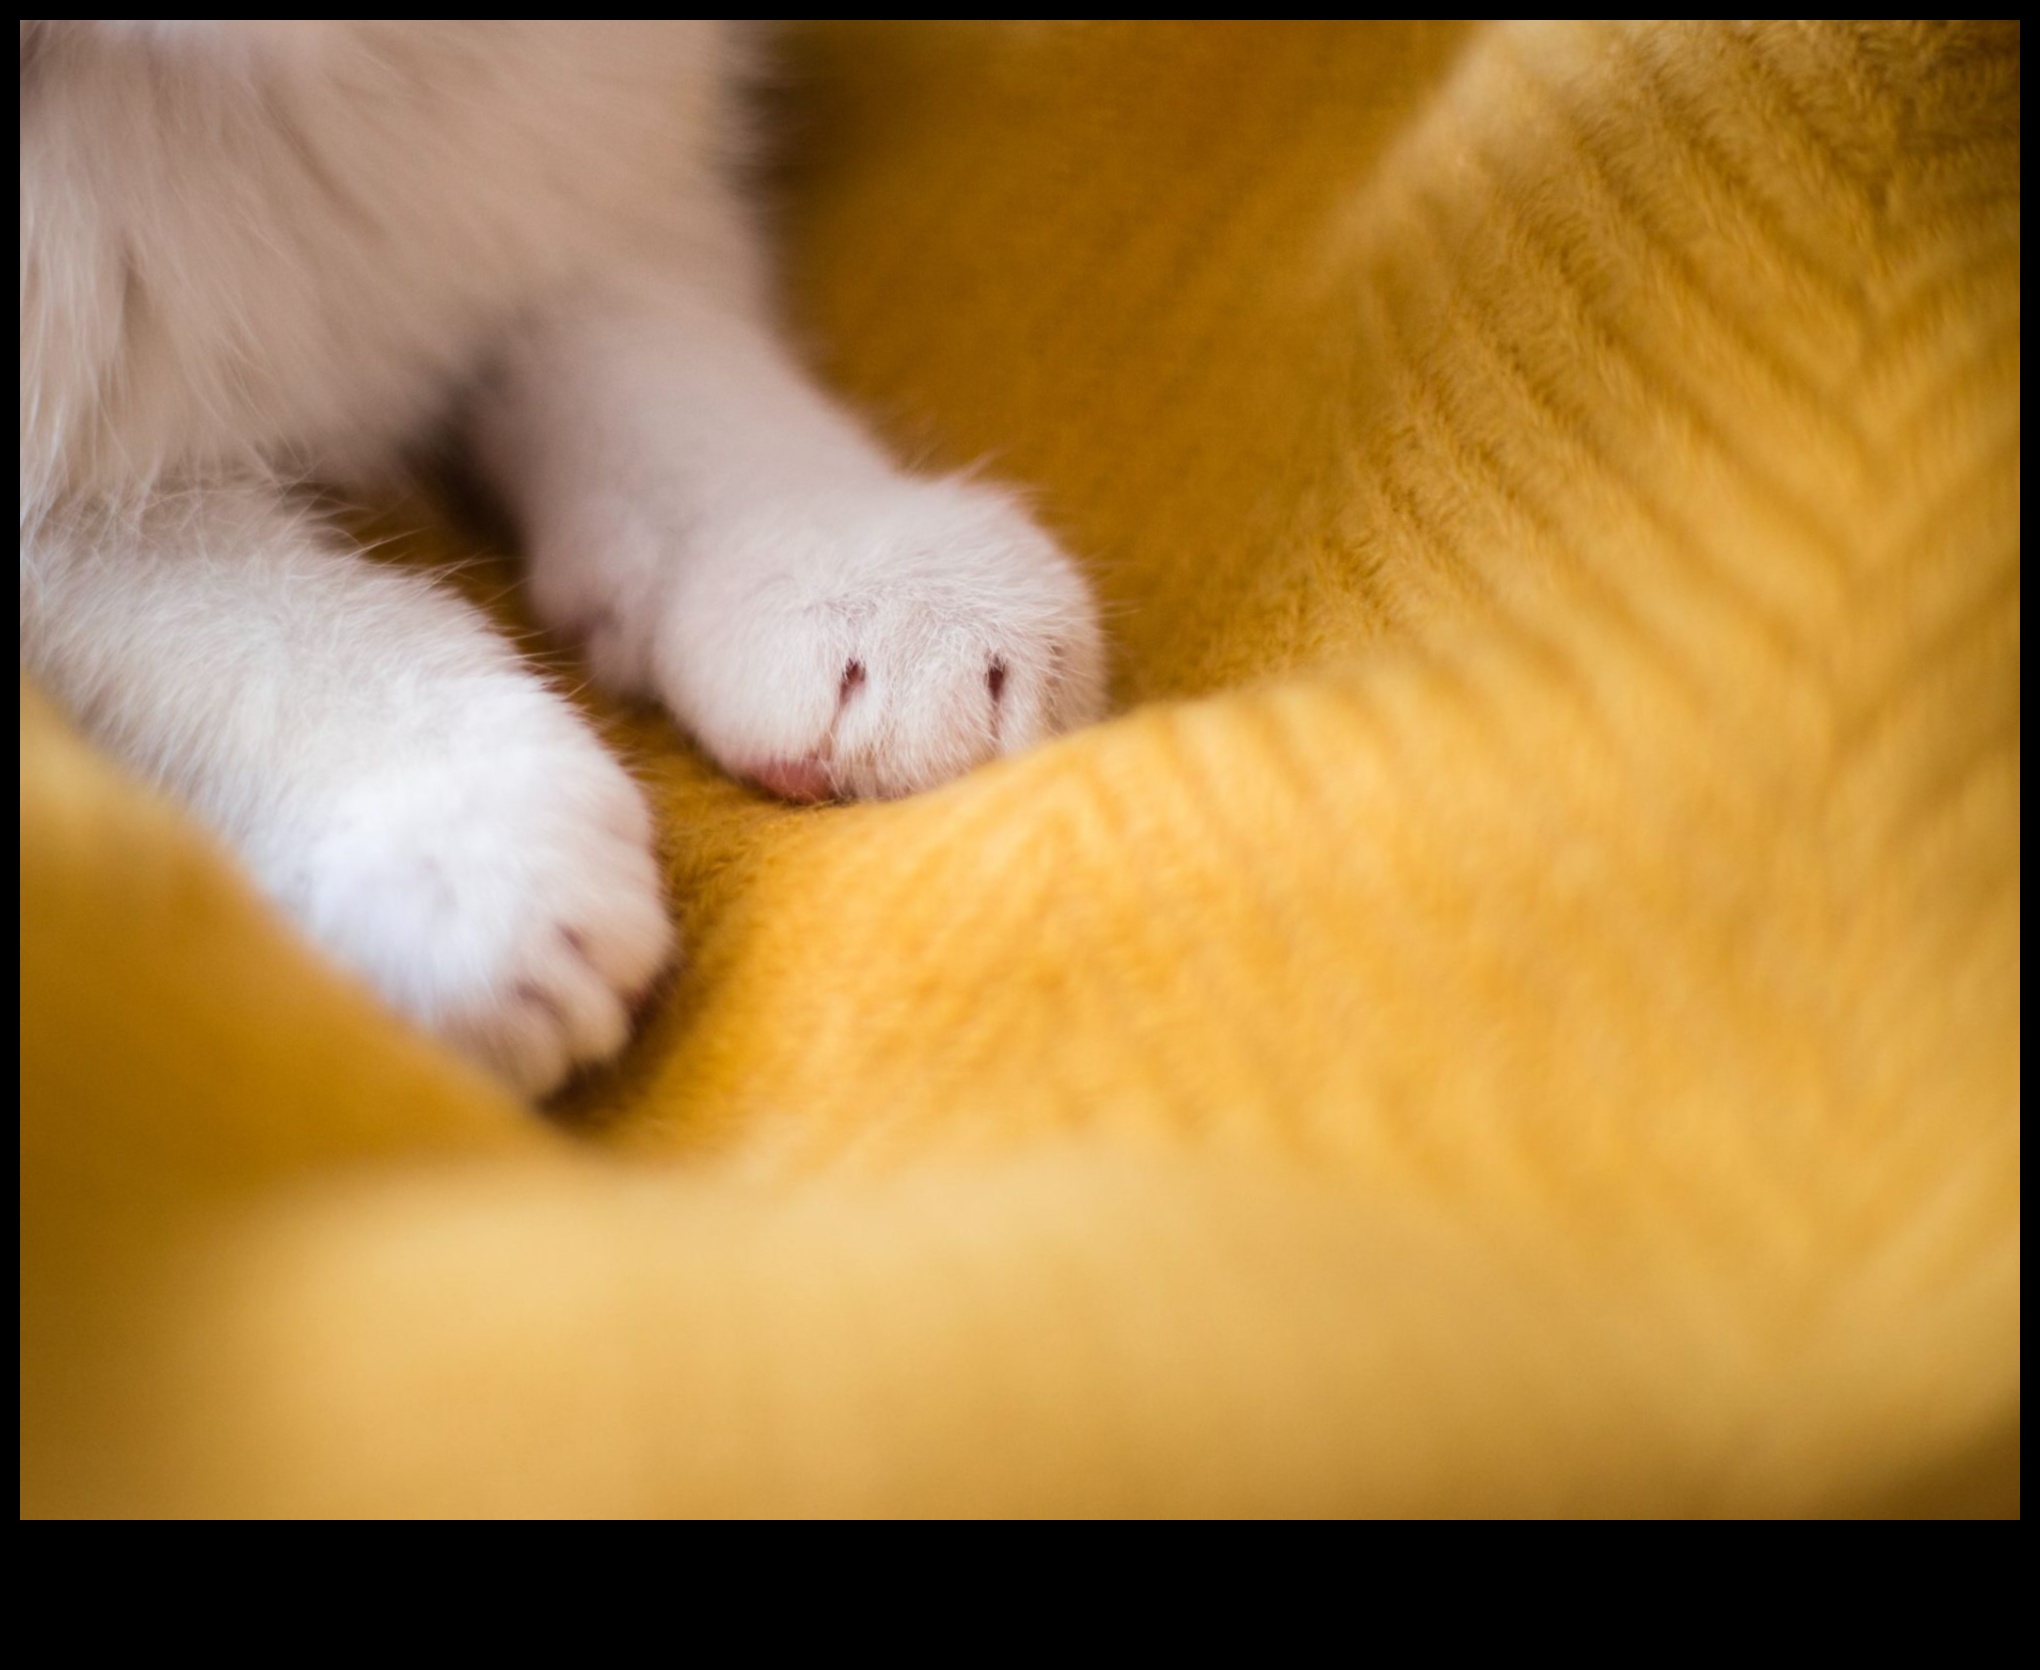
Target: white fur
pixel 253 253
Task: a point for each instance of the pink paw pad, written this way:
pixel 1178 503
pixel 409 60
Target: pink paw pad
pixel 805 780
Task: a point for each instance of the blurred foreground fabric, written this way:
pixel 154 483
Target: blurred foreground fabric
pixel 1518 1015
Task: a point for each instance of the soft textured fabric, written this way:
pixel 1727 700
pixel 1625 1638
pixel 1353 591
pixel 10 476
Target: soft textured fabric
pixel 1518 1015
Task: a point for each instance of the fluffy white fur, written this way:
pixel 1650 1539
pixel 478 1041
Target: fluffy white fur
pixel 253 253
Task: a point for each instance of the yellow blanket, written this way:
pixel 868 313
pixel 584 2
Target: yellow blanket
pixel 1519 1015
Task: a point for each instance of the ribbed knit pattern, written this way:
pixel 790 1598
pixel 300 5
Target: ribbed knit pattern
pixel 1519 1015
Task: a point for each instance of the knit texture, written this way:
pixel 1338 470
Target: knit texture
pixel 1517 1015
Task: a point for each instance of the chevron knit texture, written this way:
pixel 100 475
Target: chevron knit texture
pixel 1517 1015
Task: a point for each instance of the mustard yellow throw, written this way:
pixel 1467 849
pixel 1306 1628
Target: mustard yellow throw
pixel 1518 1015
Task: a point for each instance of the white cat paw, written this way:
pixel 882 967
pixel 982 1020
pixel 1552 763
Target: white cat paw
pixel 495 883
pixel 879 643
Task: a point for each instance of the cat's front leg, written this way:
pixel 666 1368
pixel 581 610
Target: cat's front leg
pixel 719 531
pixel 421 803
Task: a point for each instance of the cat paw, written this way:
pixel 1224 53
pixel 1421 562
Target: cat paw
pixel 881 643
pixel 496 884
